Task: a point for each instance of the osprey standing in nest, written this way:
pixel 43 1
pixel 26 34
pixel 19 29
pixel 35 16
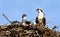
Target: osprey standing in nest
pixel 41 17
pixel 24 21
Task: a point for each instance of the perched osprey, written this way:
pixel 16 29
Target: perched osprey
pixel 24 21
pixel 41 17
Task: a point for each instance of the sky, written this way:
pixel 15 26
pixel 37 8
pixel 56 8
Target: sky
pixel 14 9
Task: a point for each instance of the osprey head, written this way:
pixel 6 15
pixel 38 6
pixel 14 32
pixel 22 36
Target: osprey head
pixel 24 15
pixel 39 10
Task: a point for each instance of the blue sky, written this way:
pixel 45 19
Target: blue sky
pixel 14 9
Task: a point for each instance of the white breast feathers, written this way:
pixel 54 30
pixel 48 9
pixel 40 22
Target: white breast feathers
pixel 40 15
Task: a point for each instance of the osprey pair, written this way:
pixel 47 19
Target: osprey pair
pixel 39 19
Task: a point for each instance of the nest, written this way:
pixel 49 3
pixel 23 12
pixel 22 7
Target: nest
pixel 18 30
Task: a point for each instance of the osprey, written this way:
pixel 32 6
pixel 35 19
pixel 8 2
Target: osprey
pixel 24 21
pixel 41 17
